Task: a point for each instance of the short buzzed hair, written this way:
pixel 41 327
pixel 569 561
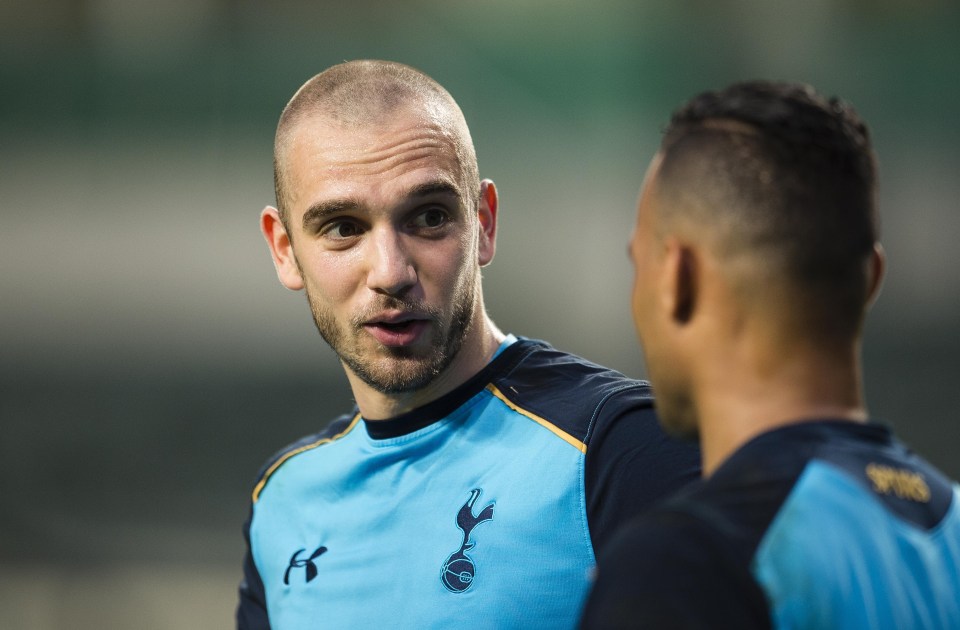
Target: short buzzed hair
pixel 779 172
pixel 365 92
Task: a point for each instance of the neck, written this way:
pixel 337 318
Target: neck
pixel 769 385
pixel 478 348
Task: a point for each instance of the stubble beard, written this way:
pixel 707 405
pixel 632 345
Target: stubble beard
pixel 399 370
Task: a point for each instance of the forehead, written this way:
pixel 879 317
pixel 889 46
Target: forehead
pixel 325 158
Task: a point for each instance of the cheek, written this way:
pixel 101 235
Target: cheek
pixel 448 268
pixel 330 279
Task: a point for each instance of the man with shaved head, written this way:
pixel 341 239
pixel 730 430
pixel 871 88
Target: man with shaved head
pixel 756 256
pixel 478 471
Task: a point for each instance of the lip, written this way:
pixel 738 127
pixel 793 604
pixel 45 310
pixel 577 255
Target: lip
pixel 397 329
pixel 394 317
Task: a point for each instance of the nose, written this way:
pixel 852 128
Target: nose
pixel 391 268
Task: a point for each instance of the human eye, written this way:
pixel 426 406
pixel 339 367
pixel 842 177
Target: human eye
pixel 431 218
pixel 341 230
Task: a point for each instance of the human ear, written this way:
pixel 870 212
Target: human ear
pixel 281 249
pixel 487 215
pixel 679 289
pixel 875 271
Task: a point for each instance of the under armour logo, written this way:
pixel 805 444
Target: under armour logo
pixel 458 570
pixel 296 563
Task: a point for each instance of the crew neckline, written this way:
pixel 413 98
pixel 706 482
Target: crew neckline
pixel 511 350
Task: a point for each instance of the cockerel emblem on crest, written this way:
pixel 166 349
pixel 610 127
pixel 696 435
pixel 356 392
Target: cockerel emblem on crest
pixel 458 570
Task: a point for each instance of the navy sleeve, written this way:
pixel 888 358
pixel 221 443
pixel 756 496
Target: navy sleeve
pixel 252 609
pixel 669 571
pixel 631 464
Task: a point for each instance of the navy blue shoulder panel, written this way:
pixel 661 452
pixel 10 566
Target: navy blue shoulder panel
pixel 905 483
pixel 564 389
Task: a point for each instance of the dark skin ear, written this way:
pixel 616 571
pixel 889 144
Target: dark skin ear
pixel 682 281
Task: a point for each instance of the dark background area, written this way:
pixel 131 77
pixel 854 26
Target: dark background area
pixel 150 361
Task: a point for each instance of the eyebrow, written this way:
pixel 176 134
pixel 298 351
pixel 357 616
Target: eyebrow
pixel 323 209
pixel 436 187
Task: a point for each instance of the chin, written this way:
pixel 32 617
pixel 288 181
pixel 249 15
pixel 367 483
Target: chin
pixel 398 375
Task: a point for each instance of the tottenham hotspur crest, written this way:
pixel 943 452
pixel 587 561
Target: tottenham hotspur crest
pixel 458 570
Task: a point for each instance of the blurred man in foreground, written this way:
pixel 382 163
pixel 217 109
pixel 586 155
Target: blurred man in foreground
pixel 756 257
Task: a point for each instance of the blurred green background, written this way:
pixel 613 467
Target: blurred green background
pixel 150 361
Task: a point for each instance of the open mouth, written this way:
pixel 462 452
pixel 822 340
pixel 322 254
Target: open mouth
pixel 398 326
pixel 397 333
